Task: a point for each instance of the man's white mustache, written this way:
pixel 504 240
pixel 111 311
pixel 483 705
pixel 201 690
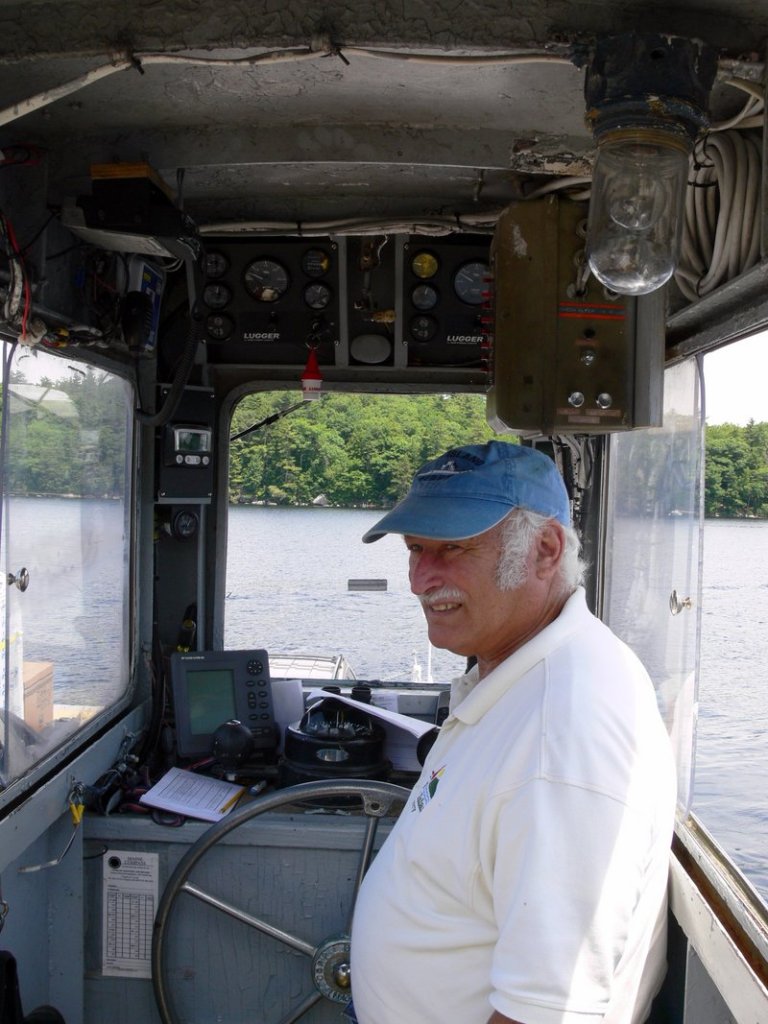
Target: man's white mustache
pixel 445 595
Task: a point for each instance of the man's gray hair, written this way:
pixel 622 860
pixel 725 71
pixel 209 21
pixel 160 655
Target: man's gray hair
pixel 519 531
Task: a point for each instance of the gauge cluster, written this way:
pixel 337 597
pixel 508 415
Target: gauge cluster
pixel 270 300
pixel 390 300
pixel 446 301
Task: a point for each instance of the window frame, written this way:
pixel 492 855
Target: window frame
pixel 84 735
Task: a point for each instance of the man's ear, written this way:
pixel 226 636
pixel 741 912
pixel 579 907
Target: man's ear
pixel 549 549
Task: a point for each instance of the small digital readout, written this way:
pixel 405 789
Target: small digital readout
pixel 191 440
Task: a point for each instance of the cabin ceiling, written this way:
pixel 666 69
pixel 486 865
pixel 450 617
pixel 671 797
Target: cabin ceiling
pixel 331 136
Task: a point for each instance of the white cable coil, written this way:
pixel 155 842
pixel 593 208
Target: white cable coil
pixel 721 233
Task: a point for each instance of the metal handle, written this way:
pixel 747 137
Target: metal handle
pixel 676 605
pixel 21 580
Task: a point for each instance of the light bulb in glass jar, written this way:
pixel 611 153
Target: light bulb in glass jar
pixel 636 209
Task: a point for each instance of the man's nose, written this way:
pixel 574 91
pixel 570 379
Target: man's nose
pixel 424 573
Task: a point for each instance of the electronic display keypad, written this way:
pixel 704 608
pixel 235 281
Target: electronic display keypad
pixel 213 687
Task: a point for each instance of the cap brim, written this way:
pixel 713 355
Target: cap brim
pixel 439 518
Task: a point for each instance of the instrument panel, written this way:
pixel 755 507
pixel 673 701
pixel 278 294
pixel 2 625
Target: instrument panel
pixel 270 301
pixel 392 301
pixel 446 302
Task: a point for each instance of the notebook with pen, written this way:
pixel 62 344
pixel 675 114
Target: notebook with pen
pixel 194 796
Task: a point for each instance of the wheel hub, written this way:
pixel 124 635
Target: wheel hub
pixel 330 969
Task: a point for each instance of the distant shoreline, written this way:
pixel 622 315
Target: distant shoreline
pixel 258 503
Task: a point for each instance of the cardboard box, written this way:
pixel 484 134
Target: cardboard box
pixel 38 693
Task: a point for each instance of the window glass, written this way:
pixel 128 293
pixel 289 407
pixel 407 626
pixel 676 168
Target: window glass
pixel 720 705
pixel 64 611
pixel 731 766
pixel 652 555
pixel 304 489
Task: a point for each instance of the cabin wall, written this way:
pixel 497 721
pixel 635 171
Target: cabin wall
pixel 46 917
pixel 703 1002
pixel 295 871
pixel 44 926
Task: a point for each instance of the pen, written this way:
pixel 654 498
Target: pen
pixel 232 801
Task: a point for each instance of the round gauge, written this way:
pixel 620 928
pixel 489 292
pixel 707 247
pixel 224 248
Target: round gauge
pixel 317 295
pixel 266 280
pixel 424 297
pixel 423 328
pixel 469 282
pixel 315 262
pixel 219 326
pixel 185 524
pixel 216 264
pixel 424 265
pixel 216 296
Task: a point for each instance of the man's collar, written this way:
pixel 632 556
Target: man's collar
pixel 488 690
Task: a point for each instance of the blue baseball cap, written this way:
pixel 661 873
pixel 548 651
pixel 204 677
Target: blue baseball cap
pixel 468 490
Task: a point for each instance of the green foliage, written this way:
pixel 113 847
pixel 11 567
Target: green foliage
pixel 736 467
pixel 354 449
pixel 364 449
pixel 68 437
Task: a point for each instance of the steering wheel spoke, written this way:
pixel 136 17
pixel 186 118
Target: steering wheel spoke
pixel 253 922
pixel 329 960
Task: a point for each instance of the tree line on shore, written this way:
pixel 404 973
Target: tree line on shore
pixel 347 449
pixel 736 471
pixel 354 450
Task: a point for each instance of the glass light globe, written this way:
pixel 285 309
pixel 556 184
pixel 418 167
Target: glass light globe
pixel 636 209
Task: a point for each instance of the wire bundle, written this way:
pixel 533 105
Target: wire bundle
pixel 721 234
pixel 17 304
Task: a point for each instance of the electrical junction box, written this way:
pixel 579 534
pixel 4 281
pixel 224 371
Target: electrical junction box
pixel 185 449
pixel 567 355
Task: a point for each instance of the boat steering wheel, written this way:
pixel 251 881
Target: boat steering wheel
pixel 329 959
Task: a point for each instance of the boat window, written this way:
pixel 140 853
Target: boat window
pixel 654 552
pixel 303 491
pixel 652 555
pixel 731 769
pixel 65 551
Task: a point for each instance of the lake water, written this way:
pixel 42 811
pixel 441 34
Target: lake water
pixel 302 559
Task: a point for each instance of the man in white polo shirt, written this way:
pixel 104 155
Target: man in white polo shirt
pixel 525 879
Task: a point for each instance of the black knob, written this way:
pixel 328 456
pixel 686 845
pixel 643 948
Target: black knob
pixel 232 744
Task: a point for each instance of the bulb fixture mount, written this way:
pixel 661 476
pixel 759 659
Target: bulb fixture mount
pixel 647 99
